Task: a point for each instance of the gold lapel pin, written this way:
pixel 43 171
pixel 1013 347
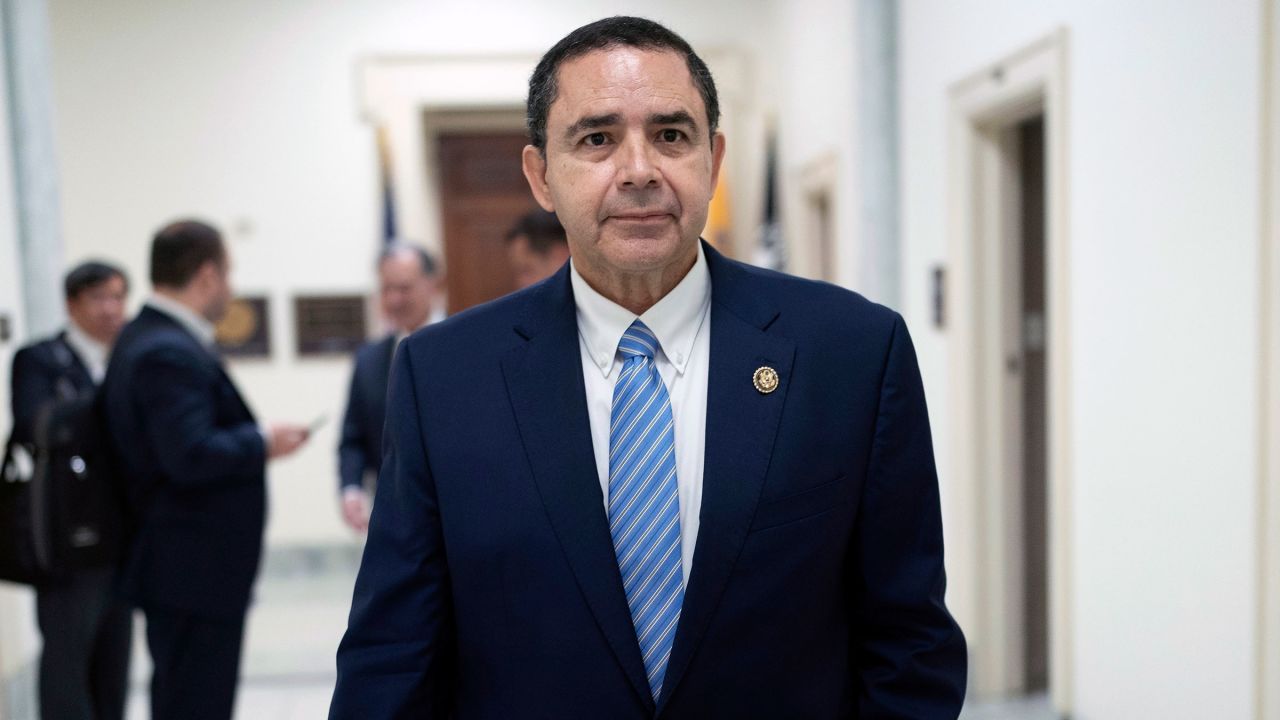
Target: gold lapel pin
pixel 765 379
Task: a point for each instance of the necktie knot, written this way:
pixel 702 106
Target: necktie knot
pixel 638 341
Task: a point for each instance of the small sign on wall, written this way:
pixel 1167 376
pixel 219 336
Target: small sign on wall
pixel 329 324
pixel 245 331
pixel 938 296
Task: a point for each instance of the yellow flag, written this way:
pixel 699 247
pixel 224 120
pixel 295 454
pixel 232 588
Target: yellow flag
pixel 719 230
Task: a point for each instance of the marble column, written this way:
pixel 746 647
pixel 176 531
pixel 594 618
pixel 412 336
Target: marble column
pixel 877 108
pixel 24 25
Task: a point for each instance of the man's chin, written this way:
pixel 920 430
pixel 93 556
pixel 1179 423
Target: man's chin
pixel 642 253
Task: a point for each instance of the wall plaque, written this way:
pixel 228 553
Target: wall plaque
pixel 245 331
pixel 329 324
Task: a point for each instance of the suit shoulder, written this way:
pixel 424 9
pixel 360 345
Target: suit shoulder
pixel 40 353
pixel 142 344
pixel 163 342
pixel 476 329
pixel 31 360
pixel 28 354
pixel 373 349
pixel 822 305
pixel 38 349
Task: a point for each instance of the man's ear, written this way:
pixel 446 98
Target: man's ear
pixel 207 276
pixel 717 157
pixel 534 163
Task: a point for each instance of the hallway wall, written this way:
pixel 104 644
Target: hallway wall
pixel 1163 142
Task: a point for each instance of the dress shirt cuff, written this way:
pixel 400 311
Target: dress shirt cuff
pixel 352 491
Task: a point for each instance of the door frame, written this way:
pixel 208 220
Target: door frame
pixel 1267 680
pixel 984 107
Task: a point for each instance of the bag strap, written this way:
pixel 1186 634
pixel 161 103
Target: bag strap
pixel 9 464
pixel 67 360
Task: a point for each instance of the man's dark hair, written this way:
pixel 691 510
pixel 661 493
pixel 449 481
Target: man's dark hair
pixel 602 35
pixel 90 274
pixel 542 228
pixel 425 260
pixel 180 249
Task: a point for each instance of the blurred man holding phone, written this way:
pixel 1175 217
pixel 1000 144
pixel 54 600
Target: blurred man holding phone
pixel 194 460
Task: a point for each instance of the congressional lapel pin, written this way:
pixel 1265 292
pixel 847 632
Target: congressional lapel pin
pixel 765 379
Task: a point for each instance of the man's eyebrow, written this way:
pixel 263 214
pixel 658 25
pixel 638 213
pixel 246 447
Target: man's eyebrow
pixel 679 117
pixel 593 122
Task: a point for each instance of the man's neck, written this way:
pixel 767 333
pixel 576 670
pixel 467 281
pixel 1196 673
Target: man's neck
pixel 402 331
pixel 75 328
pixel 187 315
pixel 182 298
pixel 637 292
pixel 76 331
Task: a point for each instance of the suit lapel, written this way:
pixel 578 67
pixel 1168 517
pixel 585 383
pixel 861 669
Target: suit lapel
pixel 235 393
pixel 200 352
pixel 741 426
pixel 76 369
pixel 377 389
pixel 544 380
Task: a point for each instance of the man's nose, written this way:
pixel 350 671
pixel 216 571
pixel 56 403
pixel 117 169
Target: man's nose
pixel 636 163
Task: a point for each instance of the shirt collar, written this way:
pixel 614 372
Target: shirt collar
pixel 675 319
pixel 199 327
pixel 401 334
pixel 92 352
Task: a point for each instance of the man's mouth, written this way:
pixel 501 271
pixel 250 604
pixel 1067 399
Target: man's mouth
pixel 642 217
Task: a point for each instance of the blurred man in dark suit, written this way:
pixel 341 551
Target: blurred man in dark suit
pixel 536 247
pixel 84 659
pixel 194 459
pixel 407 285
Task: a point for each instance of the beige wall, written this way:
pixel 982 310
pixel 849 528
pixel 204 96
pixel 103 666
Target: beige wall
pixel 817 137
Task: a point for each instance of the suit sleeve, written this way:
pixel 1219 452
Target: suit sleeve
pixel 911 653
pixel 33 385
pixel 397 658
pixel 177 393
pixel 351 455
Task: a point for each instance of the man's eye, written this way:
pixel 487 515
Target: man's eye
pixel 670 135
pixel 596 139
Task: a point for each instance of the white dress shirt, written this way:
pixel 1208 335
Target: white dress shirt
pixel 91 352
pixel 193 322
pixel 680 321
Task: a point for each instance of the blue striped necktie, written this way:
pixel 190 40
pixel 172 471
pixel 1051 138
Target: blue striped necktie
pixel 644 505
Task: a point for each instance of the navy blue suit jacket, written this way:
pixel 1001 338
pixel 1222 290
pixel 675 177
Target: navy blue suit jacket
pixel 360 450
pixel 195 460
pixel 489 586
pixel 43 372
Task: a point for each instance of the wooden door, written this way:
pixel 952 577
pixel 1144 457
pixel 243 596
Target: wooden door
pixel 1035 416
pixel 483 192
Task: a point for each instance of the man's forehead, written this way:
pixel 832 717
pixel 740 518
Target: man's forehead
pixel 403 262
pixel 626 77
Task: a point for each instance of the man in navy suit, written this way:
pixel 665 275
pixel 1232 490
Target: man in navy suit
pixel 194 459
pixel 661 483
pixel 86 631
pixel 407 282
